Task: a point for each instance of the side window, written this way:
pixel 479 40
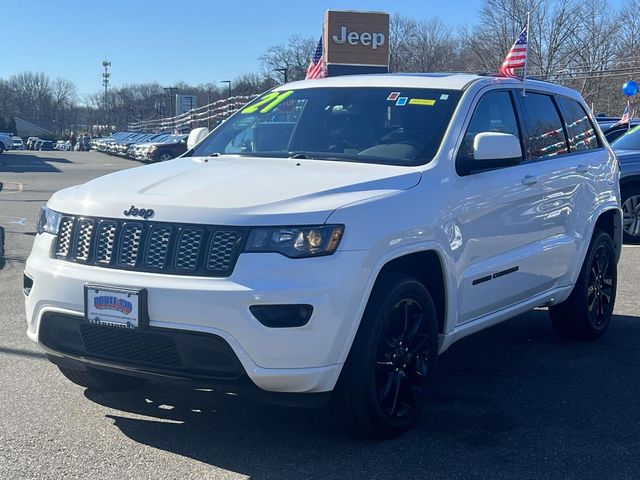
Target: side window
pixel 545 136
pixel 582 135
pixel 494 113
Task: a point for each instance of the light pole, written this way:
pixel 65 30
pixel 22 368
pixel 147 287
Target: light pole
pixel 105 82
pixel 284 72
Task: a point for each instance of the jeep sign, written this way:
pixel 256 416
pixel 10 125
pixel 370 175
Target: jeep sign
pixel 357 38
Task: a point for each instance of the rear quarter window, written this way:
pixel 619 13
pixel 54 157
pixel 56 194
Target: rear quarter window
pixel 581 133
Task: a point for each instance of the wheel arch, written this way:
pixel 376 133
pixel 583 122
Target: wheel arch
pixel 610 221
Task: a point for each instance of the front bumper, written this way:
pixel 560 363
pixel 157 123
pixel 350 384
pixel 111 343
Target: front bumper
pixel 302 359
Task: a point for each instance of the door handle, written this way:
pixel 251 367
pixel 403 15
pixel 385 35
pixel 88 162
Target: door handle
pixel 582 168
pixel 530 180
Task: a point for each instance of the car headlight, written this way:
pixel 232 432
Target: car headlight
pixel 48 221
pixel 296 242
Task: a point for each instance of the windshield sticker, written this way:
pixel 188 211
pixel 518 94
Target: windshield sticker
pixel 277 101
pixel 393 96
pixel 444 96
pixel 266 99
pixel 422 101
pixel 402 101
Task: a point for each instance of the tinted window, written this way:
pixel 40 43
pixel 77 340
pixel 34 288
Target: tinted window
pixel 400 126
pixel 545 133
pixel 582 135
pixel 494 113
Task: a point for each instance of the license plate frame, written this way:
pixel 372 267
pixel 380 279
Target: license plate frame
pixel 116 307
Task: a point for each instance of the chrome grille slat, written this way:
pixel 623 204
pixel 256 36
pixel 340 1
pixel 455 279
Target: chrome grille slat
pixel 188 248
pixel 64 237
pixel 159 247
pixel 221 249
pixel 106 241
pixel 84 230
pixel 130 244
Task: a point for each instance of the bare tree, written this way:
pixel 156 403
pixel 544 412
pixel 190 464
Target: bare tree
pixel 292 58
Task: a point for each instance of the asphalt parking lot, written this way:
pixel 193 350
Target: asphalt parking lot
pixel 511 402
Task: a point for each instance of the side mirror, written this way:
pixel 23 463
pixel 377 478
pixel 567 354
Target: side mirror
pixel 196 136
pixel 493 149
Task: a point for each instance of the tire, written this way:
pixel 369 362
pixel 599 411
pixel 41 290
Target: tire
pixel 587 313
pixel 631 215
pixel 99 380
pixel 383 388
pixel 165 157
pixel 1 148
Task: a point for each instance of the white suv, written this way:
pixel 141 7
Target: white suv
pixel 330 239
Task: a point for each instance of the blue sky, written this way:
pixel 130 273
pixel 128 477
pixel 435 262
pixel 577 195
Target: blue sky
pixel 196 41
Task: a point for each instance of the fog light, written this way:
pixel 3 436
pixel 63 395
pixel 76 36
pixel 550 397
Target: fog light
pixel 282 316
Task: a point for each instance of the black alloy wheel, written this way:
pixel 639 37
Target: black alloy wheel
pixel 586 314
pixel 600 288
pixel 385 382
pixel 402 359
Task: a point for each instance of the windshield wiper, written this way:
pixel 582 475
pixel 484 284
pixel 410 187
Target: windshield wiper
pixel 300 156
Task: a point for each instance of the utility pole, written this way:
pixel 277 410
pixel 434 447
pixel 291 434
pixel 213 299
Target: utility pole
pixel 284 72
pixel 228 82
pixel 105 81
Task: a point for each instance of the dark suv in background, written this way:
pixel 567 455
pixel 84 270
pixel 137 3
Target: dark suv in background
pixel 171 148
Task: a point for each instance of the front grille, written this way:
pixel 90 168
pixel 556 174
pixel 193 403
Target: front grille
pixel 122 345
pixel 180 249
pixel 176 352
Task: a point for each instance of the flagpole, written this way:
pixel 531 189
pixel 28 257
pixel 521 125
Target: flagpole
pixel 526 61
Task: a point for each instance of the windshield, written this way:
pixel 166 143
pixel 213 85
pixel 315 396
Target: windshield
pixel 373 125
pixel 628 141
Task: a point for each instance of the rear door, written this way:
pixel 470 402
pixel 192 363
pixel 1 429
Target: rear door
pixel 498 236
pixel 562 140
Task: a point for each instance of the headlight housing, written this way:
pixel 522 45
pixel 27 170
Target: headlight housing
pixel 48 221
pixel 296 242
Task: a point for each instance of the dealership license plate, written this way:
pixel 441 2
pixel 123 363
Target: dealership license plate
pixel 114 307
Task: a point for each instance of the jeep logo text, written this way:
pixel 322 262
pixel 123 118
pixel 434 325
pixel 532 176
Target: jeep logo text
pixel 145 213
pixel 375 39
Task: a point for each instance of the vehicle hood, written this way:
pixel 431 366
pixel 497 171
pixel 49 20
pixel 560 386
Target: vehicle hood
pixel 234 190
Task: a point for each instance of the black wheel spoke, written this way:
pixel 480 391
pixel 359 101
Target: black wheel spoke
pixel 386 387
pixel 398 381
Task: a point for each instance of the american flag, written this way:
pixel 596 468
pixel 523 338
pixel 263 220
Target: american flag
pixel 317 67
pixel 517 56
pixel 627 115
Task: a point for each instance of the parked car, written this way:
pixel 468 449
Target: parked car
pixel 46 145
pixel 18 144
pixel 37 144
pixel 627 148
pixel 6 142
pixel 31 141
pixel 367 224
pixel 171 148
pixel 612 129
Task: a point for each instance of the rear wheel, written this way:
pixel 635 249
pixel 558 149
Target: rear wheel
pixel 587 313
pixel 385 382
pixel 631 215
pixel 99 380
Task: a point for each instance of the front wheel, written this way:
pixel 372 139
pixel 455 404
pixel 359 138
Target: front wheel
pixel 587 313
pixel 385 382
pixel 99 380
